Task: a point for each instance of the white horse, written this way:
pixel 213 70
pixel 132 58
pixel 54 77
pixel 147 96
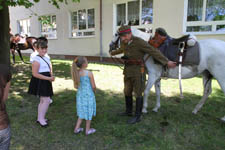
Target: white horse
pixel 212 56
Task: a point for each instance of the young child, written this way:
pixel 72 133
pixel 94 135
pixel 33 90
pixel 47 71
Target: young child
pixel 35 53
pixel 41 81
pixel 85 98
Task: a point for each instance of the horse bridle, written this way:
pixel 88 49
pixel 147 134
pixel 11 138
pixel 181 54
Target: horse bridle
pixel 116 60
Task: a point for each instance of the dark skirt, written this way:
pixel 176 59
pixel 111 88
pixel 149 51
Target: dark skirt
pixel 40 87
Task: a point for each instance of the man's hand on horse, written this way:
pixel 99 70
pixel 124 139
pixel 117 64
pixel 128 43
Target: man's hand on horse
pixel 171 64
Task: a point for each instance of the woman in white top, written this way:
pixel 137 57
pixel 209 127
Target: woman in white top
pixel 41 81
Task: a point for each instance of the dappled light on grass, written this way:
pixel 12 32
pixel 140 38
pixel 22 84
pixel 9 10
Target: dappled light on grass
pixel 20 147
pixel 62 69
pixel 108 77
pixel 174 127
pixel 170 87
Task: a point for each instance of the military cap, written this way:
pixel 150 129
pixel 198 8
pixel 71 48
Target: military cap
pixel 161 31
pixel 124 30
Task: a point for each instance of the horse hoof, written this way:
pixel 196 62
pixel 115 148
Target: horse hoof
pixel 194 112
pixel 144 110
pixel 223 119
pixel 155 110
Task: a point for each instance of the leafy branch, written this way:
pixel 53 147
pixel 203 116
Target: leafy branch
pixel 29 3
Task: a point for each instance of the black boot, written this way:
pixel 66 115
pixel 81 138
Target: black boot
pixel 139 105
pixel 129 106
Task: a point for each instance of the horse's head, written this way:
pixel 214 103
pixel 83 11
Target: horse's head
pixel 17 38
pixel 115 42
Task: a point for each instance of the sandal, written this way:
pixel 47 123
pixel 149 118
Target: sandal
pixel 91 131
pixel 78 130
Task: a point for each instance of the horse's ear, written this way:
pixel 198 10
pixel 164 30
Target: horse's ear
pixel 122 24
pixel 148 30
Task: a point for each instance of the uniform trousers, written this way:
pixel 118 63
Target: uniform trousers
pixel 134 84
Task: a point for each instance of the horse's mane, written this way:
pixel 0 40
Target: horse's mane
pixel 138 33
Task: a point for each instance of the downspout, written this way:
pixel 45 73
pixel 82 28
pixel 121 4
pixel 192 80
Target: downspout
pixel 101 49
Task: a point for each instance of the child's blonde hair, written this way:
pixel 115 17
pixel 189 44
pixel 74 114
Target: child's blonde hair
pixel 77 63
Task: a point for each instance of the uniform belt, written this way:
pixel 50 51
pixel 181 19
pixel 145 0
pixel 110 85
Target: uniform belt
pixel 133 62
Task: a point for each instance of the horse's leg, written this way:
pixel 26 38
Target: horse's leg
pixel 13 55
pixel 223 119
pixel 222 85
pixel 216 70
pixel 221 80
pixel 21 57
pixel 158 92
pixel 207 85
pixel 151 81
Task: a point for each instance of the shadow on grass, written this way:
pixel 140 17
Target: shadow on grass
pixel 62 69
pixel 183 131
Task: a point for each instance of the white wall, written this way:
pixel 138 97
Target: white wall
pixel 168 14
pixel 63 44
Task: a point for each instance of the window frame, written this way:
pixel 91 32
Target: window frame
pixel 82 30
pixel 140 26
pixel 19 29
pixel 49 32
pixel 213 24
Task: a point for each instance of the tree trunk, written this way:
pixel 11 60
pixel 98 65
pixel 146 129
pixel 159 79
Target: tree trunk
pixel 4 35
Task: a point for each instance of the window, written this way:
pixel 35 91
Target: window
pixel 137 13
pixel 147 12
pixel 48 26
pixel 121 14
pixel 205 16
pixel 83 23
pixel 133 13
pixel 24 27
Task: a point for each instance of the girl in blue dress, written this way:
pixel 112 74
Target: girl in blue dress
pixel 85 98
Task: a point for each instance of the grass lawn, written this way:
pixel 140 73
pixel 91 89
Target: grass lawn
pixel 184 131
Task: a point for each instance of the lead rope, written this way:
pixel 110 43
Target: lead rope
pixel 116 61
pixel 117 64
pixel 181 46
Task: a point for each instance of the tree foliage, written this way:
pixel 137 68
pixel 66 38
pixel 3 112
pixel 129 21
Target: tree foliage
pixel 4 22
pixel 29 3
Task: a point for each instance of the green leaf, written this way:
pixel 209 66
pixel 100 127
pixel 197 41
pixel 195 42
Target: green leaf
pixel 29 3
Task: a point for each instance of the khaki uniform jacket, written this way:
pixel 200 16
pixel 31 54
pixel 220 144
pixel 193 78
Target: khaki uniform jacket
pixel 135 50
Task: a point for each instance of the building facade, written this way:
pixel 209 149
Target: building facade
pixel 87 28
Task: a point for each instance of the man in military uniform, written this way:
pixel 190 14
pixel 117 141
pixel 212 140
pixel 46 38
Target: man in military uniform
pixel 134 49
